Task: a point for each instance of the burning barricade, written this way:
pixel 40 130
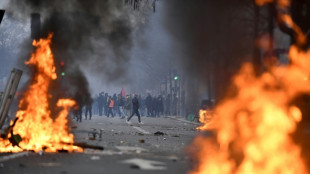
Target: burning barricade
pixel 34 128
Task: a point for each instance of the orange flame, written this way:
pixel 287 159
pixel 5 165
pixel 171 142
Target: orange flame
pixel 35 125
pixel 252 129
pixel 205 117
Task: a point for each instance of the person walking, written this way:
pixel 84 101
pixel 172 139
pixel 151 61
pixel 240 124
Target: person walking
pixel 88 109
pixel 127 107
pixel 121 103
pixel 110 107
pixel 148 103
pixel 160 106
pixel 78 111
pixel 135 107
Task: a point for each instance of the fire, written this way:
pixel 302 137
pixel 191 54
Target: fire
pixel 252 129
pixel 205 117
pixel 35 125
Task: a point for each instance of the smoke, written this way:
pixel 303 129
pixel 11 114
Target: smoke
pixel 214 39
pixel 93 36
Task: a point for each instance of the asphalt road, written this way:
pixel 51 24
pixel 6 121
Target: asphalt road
pixel 128 148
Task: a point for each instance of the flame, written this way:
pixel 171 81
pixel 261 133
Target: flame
pixel 35 125
pixel 252 129
pixel 205 117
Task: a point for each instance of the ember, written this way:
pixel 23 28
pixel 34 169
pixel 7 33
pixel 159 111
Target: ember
pixel 35 126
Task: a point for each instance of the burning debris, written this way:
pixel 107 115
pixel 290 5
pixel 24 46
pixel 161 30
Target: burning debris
pixel 34 128
pixel 253 128
pixel 205 117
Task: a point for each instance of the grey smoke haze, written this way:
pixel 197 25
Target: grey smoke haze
pixel 93 36
pixel 214 39
pixel 203 40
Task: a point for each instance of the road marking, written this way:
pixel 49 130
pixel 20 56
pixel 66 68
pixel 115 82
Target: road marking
pixel 141 130
pixel 13 156
pixel 146 164
pixel 130 148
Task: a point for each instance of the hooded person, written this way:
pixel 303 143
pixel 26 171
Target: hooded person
pixel 135 108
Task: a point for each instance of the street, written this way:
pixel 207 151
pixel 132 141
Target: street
pixel 128 148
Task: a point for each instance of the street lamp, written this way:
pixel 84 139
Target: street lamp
pixel 176 77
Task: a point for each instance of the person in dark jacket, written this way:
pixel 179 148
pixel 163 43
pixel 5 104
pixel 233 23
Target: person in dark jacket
pixel 88 109
pixel 100 103
pixel 135 107
pixel 106 104
pixel 154 106
pixel 160 106
pixel 79 102
pixel 121 104
pixel 148 104
pixel 127 106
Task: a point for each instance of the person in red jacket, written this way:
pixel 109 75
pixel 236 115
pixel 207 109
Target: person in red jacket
pixel 110 106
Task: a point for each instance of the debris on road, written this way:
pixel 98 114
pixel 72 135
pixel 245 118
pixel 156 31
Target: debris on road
pixel 173 158
pixel 21 165
pixel 158 133
pixel 143 164
pixel 141 141
pixel 130 149
pixel 84 145
pixel 92 134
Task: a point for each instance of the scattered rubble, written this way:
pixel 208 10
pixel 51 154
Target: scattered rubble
pixel 158 133
pixel 143 164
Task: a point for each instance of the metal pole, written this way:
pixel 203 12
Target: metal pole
pixel 9 94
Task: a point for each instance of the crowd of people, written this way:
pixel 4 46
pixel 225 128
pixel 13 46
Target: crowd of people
pixel 126 106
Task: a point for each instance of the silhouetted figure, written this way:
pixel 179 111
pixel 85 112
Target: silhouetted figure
pixel 105 104
pixel 160 106
pixel 167 105
pixel 88 109
pixel 100 103
pixel 148 103
pixel 78 111
pixel 135 107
